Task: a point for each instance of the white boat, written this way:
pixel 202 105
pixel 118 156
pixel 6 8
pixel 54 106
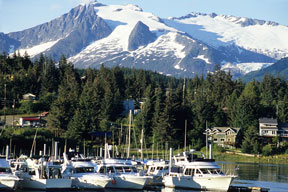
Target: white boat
pixel 84 174
pixel 7 179
pixel 193 171
pixel 42 176
pixel 157 169
pixel 125 175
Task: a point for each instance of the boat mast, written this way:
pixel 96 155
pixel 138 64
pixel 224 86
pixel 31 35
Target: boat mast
pixel 141 142
pixel 129 134
pixel 34 143
pixel 185 135
pixel 153 147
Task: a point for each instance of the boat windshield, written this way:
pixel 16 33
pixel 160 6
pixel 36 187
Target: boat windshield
pixel 85 170
pixel 209 171
pixel 130 169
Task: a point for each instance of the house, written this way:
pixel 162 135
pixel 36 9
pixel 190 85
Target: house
pixel 224 136
pixel 29 96
pixel 31 122
pixel 270 128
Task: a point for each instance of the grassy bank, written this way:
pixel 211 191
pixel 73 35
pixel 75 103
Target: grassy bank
pixel 247 158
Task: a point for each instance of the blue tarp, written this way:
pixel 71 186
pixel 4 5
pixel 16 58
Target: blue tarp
pixel 101 134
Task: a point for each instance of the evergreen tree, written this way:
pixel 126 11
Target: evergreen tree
pixel 63 109
pixel 86 118
pixel 250 143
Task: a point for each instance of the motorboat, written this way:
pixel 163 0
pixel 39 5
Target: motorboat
pixel 191 170
pixel 124 174
pixel 41 175
pixel 157 169
pixel 7 179
pixel 84 174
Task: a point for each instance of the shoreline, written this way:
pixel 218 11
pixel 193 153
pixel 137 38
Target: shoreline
pixel 251 158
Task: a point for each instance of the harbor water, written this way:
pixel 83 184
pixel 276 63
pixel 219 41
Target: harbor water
pixel 274 177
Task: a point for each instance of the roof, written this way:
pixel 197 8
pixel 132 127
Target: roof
pixel 31 118
pixel 225 129
pixel 268 120
pixel 44 114
pixel 29 95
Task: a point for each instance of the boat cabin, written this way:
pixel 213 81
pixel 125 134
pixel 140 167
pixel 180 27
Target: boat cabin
pixel 190 171
pixel 117 169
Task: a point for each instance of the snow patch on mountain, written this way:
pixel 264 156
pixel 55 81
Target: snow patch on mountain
pixel 248 67
pixel 37 49
pixel 244 68
pixel 124 18
pixel 204 58
pixel 219 30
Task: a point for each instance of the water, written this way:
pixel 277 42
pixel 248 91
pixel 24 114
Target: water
pixel 274 177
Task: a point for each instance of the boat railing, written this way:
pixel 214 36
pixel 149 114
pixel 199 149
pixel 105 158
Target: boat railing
pixel 231 172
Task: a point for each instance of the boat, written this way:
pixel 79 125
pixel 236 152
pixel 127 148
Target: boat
pixel 157 169
pixel 124 173
pixel 84 174
pixel 42 175
pixel 7 179
pixel 191 170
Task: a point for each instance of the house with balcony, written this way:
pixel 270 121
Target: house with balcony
pixel 270 128
pixel 224 136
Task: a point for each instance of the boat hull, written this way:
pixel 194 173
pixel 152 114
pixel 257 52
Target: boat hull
pixel 43 184
pixel 219 183
pixel 90 183
pixel 129 182
pixel 8 183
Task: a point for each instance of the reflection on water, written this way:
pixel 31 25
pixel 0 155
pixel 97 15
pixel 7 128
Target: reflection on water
pixel 274 177
pixel 258 172
pixel 124 190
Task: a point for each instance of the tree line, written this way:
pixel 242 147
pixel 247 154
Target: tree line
pixel 81 101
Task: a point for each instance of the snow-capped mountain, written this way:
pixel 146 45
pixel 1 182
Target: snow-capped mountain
pixel 124 35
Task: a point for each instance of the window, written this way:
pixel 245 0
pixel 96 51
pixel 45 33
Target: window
pixel 222 140
pixel 198 171
pixel 204 171
pixel 214 171
pixel 110 169
pixel 119 169
pixel 102 170
pixel 32 172
pixel 189 171
pixel 215 140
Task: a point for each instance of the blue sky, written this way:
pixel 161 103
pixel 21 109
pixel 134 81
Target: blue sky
pixel 16 15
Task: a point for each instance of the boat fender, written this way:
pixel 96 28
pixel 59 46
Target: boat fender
pixel 178 177
pixel 113 181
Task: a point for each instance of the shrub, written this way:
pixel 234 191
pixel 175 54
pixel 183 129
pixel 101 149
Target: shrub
pixel 267 150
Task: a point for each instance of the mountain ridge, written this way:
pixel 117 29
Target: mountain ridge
pixel 124 35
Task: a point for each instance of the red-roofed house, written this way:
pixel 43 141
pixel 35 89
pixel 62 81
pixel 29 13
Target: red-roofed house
pixel 31 122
